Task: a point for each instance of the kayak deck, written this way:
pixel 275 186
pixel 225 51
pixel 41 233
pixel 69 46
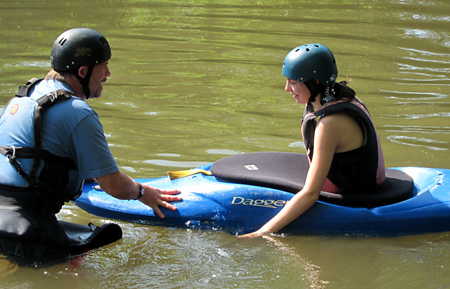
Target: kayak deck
pixel 209 203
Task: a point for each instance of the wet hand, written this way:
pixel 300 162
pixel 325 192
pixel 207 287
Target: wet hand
pixel 155 198
pixel 252 235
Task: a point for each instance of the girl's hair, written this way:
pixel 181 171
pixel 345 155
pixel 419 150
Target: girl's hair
pixel 343 91
pixel 338 91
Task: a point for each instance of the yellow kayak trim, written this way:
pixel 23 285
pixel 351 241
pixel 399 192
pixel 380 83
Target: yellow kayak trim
pixel 185 173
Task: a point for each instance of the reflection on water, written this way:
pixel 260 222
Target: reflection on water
pixel 430 144
pixel 193 81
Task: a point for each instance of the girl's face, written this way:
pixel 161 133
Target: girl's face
pixel 298 89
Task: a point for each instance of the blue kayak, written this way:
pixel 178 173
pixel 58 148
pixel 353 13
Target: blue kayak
pixel 240 193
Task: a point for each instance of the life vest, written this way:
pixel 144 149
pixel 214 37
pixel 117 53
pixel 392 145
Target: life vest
pixel 48 173
pixel 357 171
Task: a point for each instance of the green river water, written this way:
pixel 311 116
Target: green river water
pixel 194 81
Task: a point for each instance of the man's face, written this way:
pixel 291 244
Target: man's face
pixel 99 74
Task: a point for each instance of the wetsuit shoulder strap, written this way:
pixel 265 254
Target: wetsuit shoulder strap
pixel 44 102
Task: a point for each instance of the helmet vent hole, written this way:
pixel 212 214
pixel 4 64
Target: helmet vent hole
pixel 297 50
pixel 62 41
pixel 103 40
pixel 308 50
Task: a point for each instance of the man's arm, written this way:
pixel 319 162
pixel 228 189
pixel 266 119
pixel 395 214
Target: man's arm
pixel 123 187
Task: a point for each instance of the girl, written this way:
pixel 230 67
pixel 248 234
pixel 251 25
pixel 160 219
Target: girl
pixel 341 141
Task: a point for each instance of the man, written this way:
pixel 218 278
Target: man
pixel 44 162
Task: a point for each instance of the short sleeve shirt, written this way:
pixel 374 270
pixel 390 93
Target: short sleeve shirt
pixel 72 129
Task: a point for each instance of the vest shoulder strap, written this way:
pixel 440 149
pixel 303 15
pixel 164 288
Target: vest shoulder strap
pixel 43 103
pixel 24 89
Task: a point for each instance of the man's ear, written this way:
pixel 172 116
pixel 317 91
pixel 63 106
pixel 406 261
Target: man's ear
pixel 82 71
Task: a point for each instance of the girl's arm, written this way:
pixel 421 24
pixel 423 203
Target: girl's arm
pixel 327 136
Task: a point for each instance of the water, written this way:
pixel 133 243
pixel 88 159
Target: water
pixel 194 81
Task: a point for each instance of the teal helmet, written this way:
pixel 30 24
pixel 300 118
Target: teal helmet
pixel 79 47
pixel 311 61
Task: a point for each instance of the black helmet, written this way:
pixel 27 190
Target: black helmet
pixel 78 47
pixel 311 61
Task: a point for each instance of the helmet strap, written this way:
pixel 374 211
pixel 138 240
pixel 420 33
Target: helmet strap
pixel 329 95
pixel 316 88
pixel 85 81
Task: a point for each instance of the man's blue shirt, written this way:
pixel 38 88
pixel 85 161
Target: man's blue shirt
pixel 70 129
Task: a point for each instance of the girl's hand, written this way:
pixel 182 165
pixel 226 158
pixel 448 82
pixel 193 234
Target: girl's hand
pixel 255 234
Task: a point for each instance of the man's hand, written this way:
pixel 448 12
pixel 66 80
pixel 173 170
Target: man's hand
pixel 155 197
pixel 123 187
